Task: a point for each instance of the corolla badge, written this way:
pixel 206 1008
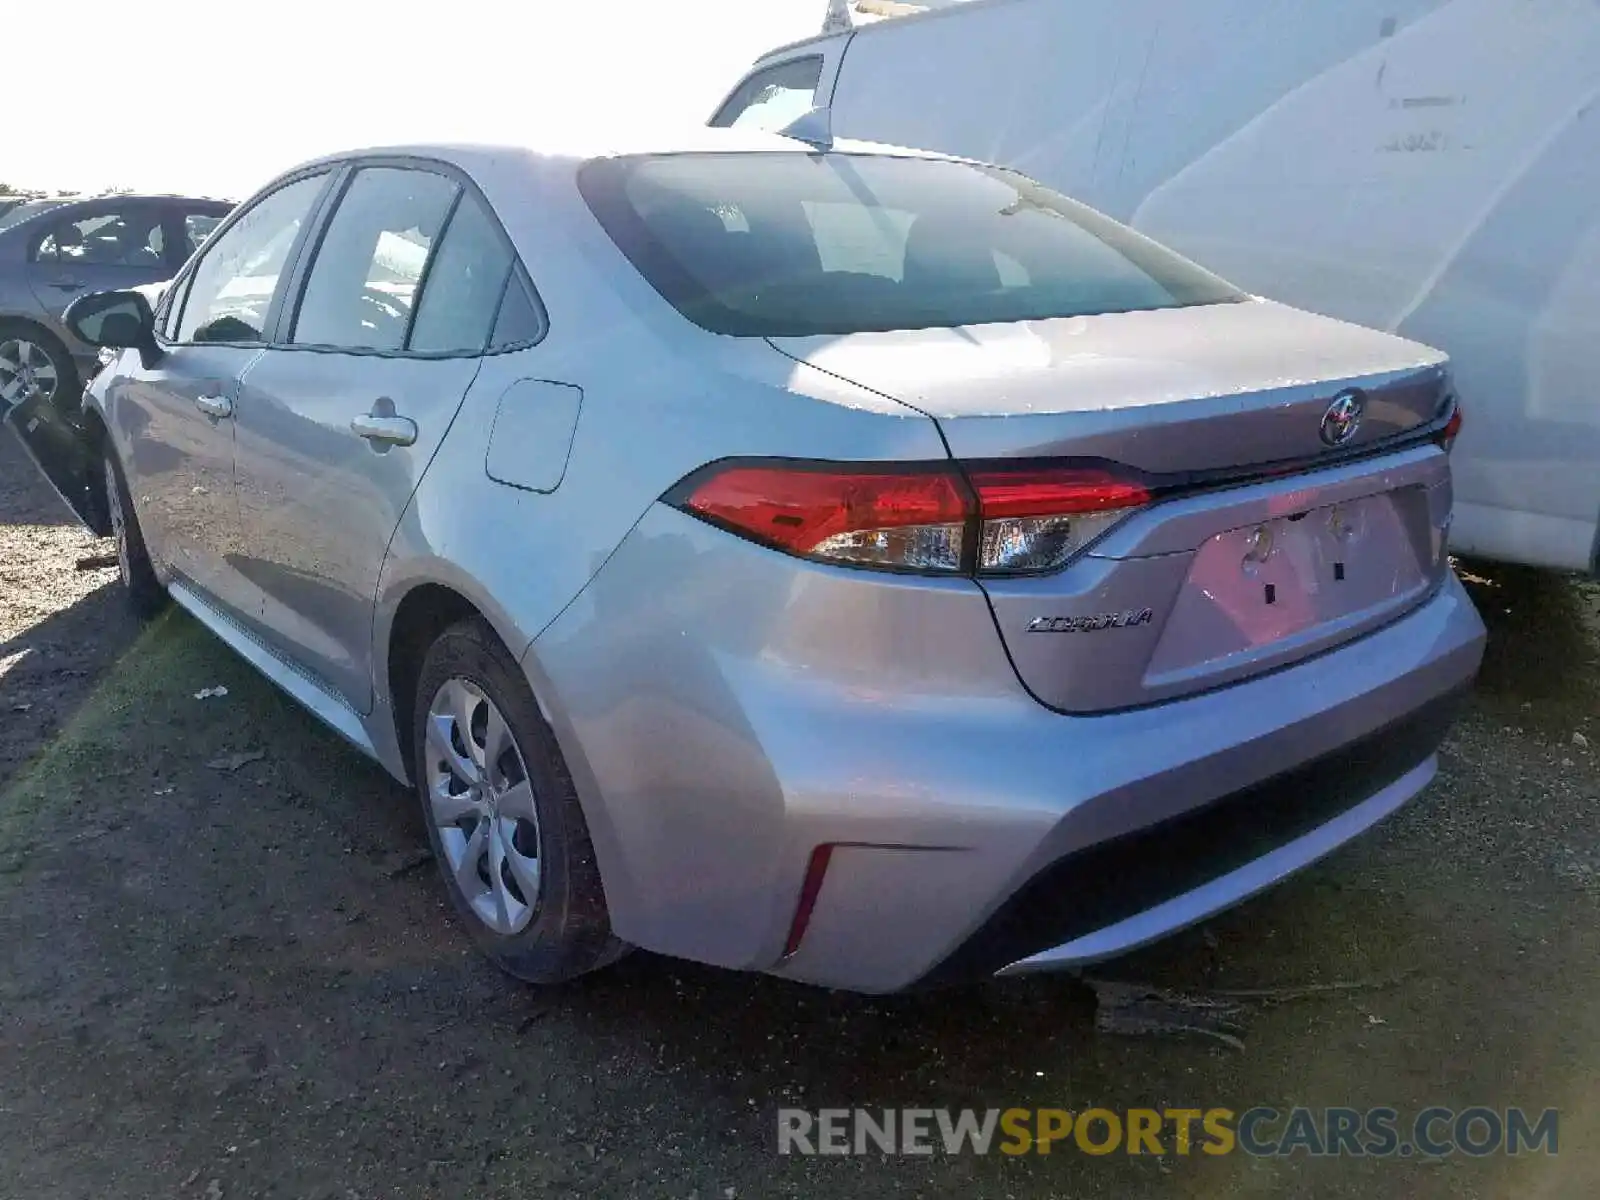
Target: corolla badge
pixel 1343 418
pixel 1117 620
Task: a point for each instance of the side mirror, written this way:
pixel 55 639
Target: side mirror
pixel 118 320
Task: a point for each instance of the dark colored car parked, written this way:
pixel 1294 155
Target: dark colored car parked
pixel 52 251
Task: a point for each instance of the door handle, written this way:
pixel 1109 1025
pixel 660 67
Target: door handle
pixel 68 285
pixel 214 406
pixel 385 431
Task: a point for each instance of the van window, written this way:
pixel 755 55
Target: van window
pixel 853 242
pixel 773 98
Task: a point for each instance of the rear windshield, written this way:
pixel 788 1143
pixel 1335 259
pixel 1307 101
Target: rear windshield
pixel 784 245
pixel 22 212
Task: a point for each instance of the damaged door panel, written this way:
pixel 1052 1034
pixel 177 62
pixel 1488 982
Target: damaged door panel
pixel 65 449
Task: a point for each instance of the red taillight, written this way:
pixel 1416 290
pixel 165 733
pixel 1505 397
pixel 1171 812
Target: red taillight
pixel 1054 491
pixel 1446 437
pixel 872 517
pixel 996 519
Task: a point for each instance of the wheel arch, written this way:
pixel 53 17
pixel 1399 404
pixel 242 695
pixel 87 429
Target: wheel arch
pixel 422 608
pixel 422 614
pixel 418 600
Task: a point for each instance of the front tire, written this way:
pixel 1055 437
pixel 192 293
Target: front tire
pixel 502 816
pixel 145 594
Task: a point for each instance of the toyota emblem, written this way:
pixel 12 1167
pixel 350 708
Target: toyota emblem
pixel 1343 418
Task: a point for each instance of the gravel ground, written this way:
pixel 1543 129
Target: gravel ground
pixel 225 978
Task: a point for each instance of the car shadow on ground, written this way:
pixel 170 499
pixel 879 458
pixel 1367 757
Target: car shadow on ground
pixel 25 498
pixel 49 667
pixel 1542 662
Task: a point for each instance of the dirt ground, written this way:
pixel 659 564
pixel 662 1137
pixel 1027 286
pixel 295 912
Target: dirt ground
pixel 226 978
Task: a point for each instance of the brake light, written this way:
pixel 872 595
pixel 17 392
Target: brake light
pixel 998 518
pixel 873 517
pixel 1036 519
pixel 1446 437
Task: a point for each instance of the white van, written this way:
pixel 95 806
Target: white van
pixel 1430 167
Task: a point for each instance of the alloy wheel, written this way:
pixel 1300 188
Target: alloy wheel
pixel 26 371
pixel 481 802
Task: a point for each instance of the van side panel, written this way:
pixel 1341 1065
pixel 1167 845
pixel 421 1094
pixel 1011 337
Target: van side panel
pixel 1428 167
pixel 1023 82
pixel 1440 179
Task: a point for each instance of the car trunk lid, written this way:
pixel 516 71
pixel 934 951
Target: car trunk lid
pixel 1264 544
pixel 1185 390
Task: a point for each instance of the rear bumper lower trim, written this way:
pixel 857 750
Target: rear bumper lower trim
pixel 1230 889
pixel 1132 889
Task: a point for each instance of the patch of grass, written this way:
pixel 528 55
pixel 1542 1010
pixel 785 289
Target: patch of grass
pixel 106 737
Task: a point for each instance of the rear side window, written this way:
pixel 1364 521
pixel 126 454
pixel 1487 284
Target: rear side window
pixel 772 98
pixel 368 269
pixel 521 320
pixel 465 282
pixel 794 244
pixel 26 212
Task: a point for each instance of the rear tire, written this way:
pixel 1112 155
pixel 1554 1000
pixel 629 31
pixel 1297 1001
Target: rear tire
pixel 145 594
pixel 502 815
pixel 34 349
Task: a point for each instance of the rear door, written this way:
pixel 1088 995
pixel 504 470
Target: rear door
pixel 341 417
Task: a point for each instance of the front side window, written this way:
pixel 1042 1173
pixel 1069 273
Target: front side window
pixel 231 288
pixel 107 239
pixel 465 282
pixel 794 244
pixel 170 308
pixel 773 98
pixel 364 281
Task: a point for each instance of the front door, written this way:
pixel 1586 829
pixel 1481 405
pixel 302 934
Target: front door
pixel 173 421
pixel 338 424
pixel 115 244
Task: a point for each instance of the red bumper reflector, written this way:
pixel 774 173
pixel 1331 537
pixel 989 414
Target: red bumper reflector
pixel 1452 429
pixel 809 888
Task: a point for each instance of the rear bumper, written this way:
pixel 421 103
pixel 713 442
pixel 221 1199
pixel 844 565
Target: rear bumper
pixel 1123 893
pixel 1201 804
pixel 722 721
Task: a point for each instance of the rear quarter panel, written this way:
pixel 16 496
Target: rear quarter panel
pixel 660 398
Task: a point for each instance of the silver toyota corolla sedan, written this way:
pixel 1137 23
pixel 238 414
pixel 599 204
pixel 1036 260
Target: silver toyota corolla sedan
pixel 839 561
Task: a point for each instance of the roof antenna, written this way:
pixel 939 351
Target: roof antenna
pixel 837 19
pixel 814 127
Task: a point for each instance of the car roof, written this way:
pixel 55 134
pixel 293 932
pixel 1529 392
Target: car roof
pixel 576 150
pixel 57 208
pixel 124 197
